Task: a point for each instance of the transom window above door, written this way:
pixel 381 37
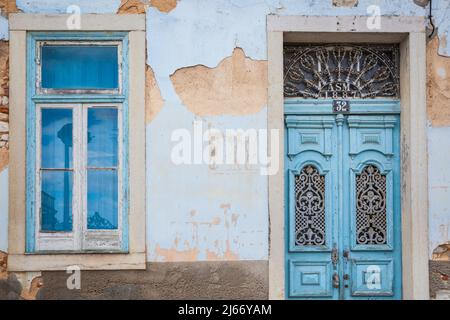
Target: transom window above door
pixel 343 71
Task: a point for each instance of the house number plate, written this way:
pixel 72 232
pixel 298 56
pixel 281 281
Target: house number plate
pixel 341 106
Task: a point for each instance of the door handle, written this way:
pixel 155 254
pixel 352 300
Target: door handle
pixel 336 280
pixel 334 256
pixel 346 254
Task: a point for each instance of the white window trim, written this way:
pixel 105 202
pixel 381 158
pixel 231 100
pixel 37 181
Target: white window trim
pixel 135 258
pixel 80 239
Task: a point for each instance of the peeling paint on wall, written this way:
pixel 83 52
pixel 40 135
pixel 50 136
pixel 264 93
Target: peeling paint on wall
pixel 31 283
pixel 164 5
pixel 237 86
pixel 131 7
pixel 442 252
pixel 7 7
pixel 153 99
pixel 438 86
pixel 345 3
pixel 441 14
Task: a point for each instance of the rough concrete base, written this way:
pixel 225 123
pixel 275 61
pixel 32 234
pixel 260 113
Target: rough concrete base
pixel 10 288
pixel 439 279
pixel 196 280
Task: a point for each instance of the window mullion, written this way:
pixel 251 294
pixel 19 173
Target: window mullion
pixel 79 165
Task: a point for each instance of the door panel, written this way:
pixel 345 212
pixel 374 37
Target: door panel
pixel 312 212
pixel 371 210
pixel 343 213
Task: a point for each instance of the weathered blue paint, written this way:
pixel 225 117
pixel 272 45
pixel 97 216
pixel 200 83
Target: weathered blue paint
pixel 33 98
pixel 335 145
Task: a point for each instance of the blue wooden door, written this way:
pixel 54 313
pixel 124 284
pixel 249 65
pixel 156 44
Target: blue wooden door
pixel 343 212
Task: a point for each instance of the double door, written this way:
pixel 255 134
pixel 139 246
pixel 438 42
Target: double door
pixel 343 213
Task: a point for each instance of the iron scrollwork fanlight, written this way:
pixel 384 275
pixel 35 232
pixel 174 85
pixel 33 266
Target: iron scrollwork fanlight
pixel 341 71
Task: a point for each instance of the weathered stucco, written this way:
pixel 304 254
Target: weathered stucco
pixel 237 86
pixel 164 5
pixel 439 278
pixel 438 71
pixel 14 286
pixel 345 3
pixel 7 7
pixel 199 280
pixel 207 62
pixel 153 99
pixel 131 7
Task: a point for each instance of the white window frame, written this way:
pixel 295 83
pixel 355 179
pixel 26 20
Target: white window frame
pixel 20 25
pixel 80 239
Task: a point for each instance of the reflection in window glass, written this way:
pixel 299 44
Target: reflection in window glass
pixel 56 170
pixel 103 135
pixel 102 199
pixel 56 138
pixel 79 67
pixel 56 201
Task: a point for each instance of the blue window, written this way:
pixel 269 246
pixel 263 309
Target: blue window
pixel 77 148
pixel 56 170
pixel 103 133
pixel 79 67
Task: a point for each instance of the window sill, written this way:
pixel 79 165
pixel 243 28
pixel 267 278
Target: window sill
pixel 85 261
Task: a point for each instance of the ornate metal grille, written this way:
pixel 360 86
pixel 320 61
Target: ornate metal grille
pixel 310 208
pixel 371 221
pixel 341 71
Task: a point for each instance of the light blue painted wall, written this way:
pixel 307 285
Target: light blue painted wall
pixel 439 186
pixel 60 6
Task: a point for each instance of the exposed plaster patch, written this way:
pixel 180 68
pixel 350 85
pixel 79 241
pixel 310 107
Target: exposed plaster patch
pixel 237 86
pixel 442 252
pixel 174 255
pixel 31 283
pixel 164 5
pixel 4 158
pixel 131 7
pixel 7 7
pixel 227 255
pixel 438 69
pixel 345 3
pixel 27 283
pixel 153 99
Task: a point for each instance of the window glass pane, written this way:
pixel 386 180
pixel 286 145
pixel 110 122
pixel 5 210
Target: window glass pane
pixel 79 67
pixel 56 201
pixel 56 138
pixel 102 199
pixel 102 137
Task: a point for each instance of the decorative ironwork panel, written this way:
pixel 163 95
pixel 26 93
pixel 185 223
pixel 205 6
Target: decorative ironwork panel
pixel 310 208
pixel 371 222
pixel 341 71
